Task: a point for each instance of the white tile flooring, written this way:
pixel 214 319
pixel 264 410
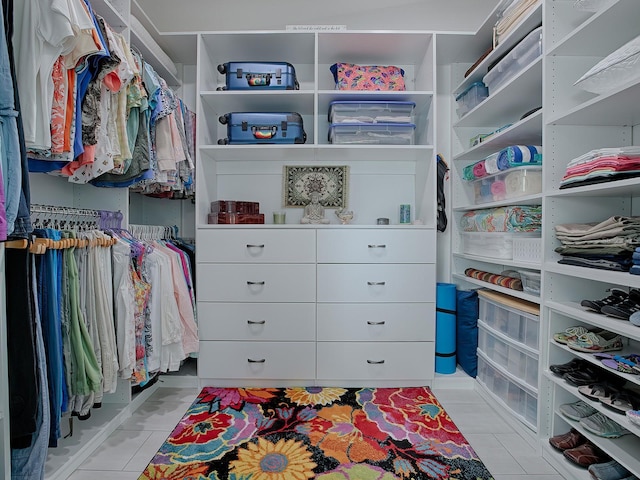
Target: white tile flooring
pixel 126 453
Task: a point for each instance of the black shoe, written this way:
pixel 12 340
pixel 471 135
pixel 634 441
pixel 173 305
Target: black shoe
pixel 585 376
pixel 617 296
pixel 571 366
pixel 626 308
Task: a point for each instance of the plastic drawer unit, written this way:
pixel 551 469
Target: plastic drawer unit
pixel 371 112
pixel 518 398
pixel 517 360
pixel 515 324
pixel 372 133
pixel 518 58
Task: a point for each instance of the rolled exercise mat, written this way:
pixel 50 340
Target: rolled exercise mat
pixel 445 328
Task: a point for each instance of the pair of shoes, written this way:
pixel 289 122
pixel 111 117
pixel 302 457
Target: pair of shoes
pixel 570 332
pixel 601 425
pixel 571 366
pixel 633 416
pixel 621 363
pixel 587 375
pixel 611 470
pixel 577 410
pixel 622 401
pixel 617 296
pixel 598 391
pixel 585 455
pixel 626 308
pixel 591 342
pixel 634 318
pixel 565 441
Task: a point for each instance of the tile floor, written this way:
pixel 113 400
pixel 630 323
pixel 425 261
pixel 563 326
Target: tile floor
pixel 125 454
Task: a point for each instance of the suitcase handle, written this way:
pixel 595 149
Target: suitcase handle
pixel 264 133
pixel 258 79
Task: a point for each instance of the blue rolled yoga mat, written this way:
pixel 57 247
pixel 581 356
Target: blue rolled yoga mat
pixel 445 328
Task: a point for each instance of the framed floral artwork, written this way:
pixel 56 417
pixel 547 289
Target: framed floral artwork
pixel 331 183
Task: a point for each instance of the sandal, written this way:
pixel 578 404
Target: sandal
pixel 598 391
pixel 623 363
pixel 621 402
pixel 562 337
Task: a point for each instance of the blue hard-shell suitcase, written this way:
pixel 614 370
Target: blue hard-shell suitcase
pixel 263 127
pixel 259 76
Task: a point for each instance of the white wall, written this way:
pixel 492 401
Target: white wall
pixel 216 15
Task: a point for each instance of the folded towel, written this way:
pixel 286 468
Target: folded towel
pixel 498 190
pixel 517 155
pixel 491 164
pixel 479 170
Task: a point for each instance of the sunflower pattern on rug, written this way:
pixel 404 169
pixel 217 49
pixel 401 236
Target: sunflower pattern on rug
pixel 315 432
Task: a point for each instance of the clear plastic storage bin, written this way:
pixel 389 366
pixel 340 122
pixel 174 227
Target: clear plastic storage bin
pixel 473 95
pixel 507 184
pixel 520 326
pixel 520 56
pixel 519 399
pixel 372 133
pixel 491 244
pixel 371 112
pixel 530 281
pixel 516 361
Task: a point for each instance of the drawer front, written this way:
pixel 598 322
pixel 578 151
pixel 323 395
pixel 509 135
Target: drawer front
pixel 257 245
pixel 257 321
pixel 257 360
pixel 226 282
pixel 377 246
pixel 376 283
pixel 376 361
pixel 377 322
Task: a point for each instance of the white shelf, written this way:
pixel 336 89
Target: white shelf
pixel 618 188
pixel 527 131
pixel 512 100
pixel 524 200
pixel 498 288
pixel 597 275
pixel 222 102
pixel 498 261
pixel 526 25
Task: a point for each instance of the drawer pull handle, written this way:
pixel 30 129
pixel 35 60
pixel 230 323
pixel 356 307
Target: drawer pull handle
pixel 377 246
pixel 376 283
pixel 255 246
pixel 251 360
pixel 375 362
pixel 256 322
pixel 255 283
pixel 369 322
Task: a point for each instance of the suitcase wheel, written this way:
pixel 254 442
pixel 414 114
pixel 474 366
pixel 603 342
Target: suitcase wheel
pixel 219 89
pixel 223 141
pixel 222 68
pixel 223 119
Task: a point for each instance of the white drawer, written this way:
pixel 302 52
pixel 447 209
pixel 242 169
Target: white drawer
pixel 257 360
pixel 379 245
pixel 379 322
pixel 257 321
pixel 376 283
pixel 376 361
pixel 225 282
pixel 257 245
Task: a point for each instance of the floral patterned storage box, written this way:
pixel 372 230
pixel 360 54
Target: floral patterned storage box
pixel 349 76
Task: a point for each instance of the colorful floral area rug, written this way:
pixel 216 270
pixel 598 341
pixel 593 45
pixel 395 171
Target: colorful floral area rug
pixel 314 432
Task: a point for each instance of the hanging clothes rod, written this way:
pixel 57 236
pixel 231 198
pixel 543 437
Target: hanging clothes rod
pixel 61 210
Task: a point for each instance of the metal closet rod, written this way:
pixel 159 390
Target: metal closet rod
pixel 60 210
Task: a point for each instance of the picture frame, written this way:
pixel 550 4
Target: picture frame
pixel 331 182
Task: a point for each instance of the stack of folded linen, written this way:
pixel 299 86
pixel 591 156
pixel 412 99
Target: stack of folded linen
pixel 635 258
pixel 607 245
pixel 602 165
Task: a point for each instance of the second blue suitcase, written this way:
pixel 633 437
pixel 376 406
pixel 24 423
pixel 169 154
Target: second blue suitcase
pixel 259 76
pixel 260 127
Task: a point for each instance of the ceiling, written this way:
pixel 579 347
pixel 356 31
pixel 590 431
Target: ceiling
pixel 242 15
